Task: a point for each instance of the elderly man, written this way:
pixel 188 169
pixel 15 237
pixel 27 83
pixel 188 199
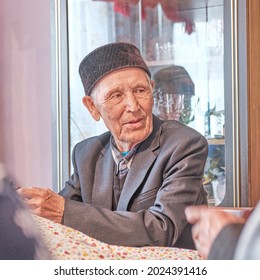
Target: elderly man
pixel 130 185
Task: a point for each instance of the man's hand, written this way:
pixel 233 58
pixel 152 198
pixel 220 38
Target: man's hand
pixel 44 202
pixel 207 224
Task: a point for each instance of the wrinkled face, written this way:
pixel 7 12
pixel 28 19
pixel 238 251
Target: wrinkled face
pixel 124 100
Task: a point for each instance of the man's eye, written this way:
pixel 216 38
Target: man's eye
pixel 140 90
pixel 116 95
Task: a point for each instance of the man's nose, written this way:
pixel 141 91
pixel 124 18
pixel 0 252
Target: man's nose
pixel 131 102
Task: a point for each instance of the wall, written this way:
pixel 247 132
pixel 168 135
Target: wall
pixel 25 91
pixel 254 100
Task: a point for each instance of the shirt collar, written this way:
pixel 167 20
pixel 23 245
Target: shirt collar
pixel 119 157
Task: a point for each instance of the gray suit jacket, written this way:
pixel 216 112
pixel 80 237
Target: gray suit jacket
pixel 164 177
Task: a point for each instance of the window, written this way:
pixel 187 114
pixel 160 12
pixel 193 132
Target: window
pixel 186 40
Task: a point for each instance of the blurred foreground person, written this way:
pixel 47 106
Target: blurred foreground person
pixel 220 235
pixel 19 239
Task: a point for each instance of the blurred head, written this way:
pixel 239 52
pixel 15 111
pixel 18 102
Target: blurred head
pixel 173 93
pixel 119 92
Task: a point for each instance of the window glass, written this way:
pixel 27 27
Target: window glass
pixel 182 43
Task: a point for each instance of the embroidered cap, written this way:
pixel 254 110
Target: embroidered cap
pixel 106 59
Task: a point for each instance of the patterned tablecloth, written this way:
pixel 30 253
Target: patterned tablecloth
pixel 66 243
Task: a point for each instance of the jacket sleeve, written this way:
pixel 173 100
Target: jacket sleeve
pixel 72 186
pixel 249 241
pixel 224 245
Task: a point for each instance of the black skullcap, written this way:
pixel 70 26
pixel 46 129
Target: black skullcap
pixel 107 59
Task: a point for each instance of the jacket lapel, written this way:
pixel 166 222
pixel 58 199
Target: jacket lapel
pixel 104 175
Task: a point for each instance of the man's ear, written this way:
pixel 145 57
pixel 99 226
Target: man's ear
pixel 152 84
pixel 89 104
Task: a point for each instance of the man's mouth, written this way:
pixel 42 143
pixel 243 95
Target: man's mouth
pixel 134 124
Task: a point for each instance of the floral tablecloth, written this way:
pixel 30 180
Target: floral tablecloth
pixel 66 243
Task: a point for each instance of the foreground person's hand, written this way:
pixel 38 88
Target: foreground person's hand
pixel 207 224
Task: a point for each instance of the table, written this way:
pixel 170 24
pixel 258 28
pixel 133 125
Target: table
pixel 65 243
